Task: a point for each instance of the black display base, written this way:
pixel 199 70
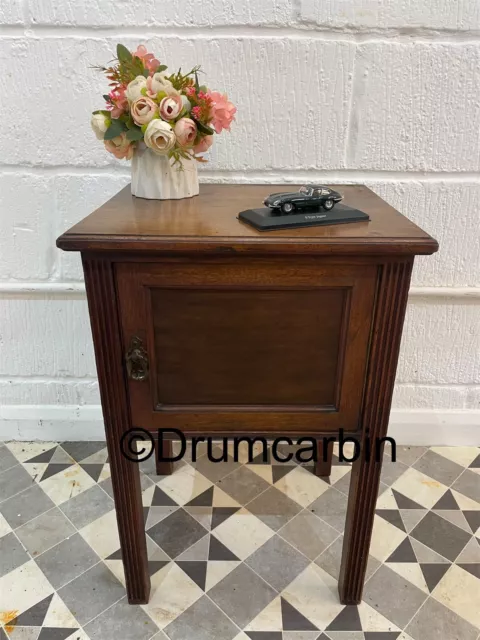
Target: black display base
pixel 268 219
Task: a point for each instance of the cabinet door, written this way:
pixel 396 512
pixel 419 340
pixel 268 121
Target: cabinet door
pixel 247 346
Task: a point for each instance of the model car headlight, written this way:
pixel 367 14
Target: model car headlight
pixel 276 202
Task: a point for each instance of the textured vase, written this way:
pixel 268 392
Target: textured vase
pixel 154 177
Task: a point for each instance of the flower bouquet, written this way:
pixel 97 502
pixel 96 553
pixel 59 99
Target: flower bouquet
pixel 163 123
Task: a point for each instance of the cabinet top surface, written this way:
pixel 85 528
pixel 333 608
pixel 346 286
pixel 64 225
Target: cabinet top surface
pixel 208 222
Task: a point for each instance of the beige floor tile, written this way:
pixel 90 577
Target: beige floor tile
pixel 67 484
pixel 385 539
pixel 243 533
pixel 270 619
pixel 302 486
pixel 459 591
pixel 421 488
pixel 461 455
pixel 184 484
pixel 102 534
pixel 21 589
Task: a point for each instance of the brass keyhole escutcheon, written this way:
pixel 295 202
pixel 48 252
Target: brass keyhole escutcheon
pixel 137 360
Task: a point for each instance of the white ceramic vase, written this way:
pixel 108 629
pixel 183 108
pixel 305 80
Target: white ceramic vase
pixel 154 177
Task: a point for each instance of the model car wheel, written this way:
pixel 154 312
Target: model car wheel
pixel 287 207
pixel 328 205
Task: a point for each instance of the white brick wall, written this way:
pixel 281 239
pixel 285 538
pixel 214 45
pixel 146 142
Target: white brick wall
pixel 382 92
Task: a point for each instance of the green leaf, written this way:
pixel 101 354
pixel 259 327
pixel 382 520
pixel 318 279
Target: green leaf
pixel 146 73
pixel 103 111
pixel 135 133
pixel 106 97
pixel 197 85
pixel 204 128
pixel 161 68
pixel 123 54
pixel 115 129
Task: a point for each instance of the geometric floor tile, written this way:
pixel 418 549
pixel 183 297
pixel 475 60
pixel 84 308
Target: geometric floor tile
pixel 237 552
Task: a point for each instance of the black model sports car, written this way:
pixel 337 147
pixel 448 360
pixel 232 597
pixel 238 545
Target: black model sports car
pixel 307 197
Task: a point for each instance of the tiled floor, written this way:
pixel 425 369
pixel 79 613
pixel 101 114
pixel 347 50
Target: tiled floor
pixel 237 551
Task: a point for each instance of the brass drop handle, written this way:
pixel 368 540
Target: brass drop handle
pixel 136 359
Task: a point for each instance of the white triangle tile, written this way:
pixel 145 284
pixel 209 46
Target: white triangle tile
pixel 22 588
pixel 412 572
pixel 470 554
pixel 425 555
pixel 314 594
pixel 385 539
pixel 58 615
pixel 465 504
pixel 67 484
pixel 217 570
pixel 116 567
pixel 419 487
pixel 222 499
pixel 387 500
pixel 104 473
pixel 461 455
pixel 147 495
pixel 242 636
pixel 302 486
pixel 262 470
pixel 184 484
pixel 372 620
pixel 338 472
pixel 172 592
pixel 270 619
pixel 24 451
pixel 455 517
pixel 61 457
pixel 36 469
pixel 4 526
pixel 102 534
pixel 243 533
pixel 154 552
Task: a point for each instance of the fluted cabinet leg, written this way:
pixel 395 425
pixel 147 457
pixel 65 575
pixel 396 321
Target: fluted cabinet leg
pixel 100 285
pixel 391 301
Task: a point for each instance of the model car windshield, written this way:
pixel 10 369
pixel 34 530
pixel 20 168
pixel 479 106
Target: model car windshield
pixel 306 190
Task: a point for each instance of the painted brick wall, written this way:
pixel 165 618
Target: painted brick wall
pixel 382 92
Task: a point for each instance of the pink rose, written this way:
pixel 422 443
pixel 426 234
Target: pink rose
pixel 171 107
pixel 143 110
pixel 222 112
pixel 148 59
pixel 204 144
pixel 186 132
pixel 120 147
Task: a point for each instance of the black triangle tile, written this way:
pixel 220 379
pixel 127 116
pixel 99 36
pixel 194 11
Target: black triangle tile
pixel 55 633
pixel 156 565
pixel 218 551
pixel 46 456
pixel 34 616
pixel 205 499
pixel 293 620
pixel 83 449
pixel 279 471
pixel 146 511
pixel 259 459
pixel 433 573
pixel 473 568
pixel 405 503
pixel 403 553
pixel 473 519
pixel 196 570
pixel 322 636
pixel 93 470
pixel 116 555
pixel 347 620
pixel 393 517
pixel 53 469
pixel 220 514
pixel 447 502
pixel 264 635
pixel 476 463
pixel 381 635
pixel 161 499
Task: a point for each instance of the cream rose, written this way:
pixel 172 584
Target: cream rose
pixel 120 146
pixel 100 124
pixel 170 107
pixel 159 137
pixel 160 82
pixel 134 88
pixel 143 110
pixel 186 132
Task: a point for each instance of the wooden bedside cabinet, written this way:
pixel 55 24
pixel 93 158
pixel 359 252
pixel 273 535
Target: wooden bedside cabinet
pixel 203 324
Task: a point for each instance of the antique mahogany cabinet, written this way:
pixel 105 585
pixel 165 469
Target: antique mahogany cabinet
pixel 203 324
